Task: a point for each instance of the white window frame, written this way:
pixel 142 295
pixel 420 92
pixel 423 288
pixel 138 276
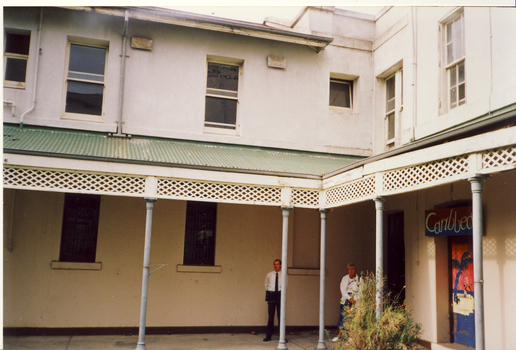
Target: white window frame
pixel 90 43
pixel 221 128
pixel 453 66
pixel 351 84
pixel 10 55
pixel 397 108
pixel 446 90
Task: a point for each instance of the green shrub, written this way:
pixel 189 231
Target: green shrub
pixel 395 330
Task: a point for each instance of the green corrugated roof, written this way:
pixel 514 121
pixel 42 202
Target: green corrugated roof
pixel 169 152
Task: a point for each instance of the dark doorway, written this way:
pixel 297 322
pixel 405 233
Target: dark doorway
pixel 396 256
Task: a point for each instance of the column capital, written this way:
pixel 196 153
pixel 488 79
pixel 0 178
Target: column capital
pixel 378 201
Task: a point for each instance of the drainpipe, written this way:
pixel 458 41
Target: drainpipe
pixel 321 345
pixel 36 68
pixel 122 77
pixel 478 270
pixel 145 279
pixel 378 201
pixel 284 257
pixel 414 72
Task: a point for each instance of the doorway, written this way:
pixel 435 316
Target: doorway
pixel 396 256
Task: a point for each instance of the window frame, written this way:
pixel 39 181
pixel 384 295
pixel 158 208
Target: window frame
pixel 87 43
pixel 446 87
pixel 208 210
pixel 351 83
pixel 91 202
pixel 13 84
pixel 233 95
pixel 397 109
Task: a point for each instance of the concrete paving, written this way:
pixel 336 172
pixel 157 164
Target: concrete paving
pixel 225 341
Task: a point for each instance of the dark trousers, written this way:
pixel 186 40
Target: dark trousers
pixel 273 305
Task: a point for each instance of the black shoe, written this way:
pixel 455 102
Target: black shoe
pixel 267 339
pixel 286 340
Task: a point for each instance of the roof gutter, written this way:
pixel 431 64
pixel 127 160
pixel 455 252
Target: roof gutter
pixel 430 140
pixel 186 19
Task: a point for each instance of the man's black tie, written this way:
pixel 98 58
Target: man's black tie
pixel 276 283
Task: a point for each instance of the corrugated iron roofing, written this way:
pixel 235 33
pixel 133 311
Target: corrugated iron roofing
pixel 169 152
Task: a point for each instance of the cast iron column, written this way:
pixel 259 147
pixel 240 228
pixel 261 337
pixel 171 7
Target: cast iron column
pixel 321 345
pixel 378 201
pixel 284 257
pixel 478 268
pixel 145 280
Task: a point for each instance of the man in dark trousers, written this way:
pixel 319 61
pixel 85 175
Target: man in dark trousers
pixel 273 296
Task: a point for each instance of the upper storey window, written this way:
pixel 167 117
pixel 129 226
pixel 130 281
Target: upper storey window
pixel 455 59
pixel 85 80
pixel 16 56
pixel 341 93
pixel 222 96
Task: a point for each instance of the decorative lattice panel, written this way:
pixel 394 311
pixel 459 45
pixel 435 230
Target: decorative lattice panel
pixel 499 157
pixel 183 189
pixel 73 181
pixel 305 198
pixel 350 191
pixel 425 173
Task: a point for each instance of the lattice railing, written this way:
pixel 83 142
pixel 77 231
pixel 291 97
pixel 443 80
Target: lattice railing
pixel 425 173
pixel 350 192
pixel 72 181
pixel 499 157
pixel 305 198
pixel 200 190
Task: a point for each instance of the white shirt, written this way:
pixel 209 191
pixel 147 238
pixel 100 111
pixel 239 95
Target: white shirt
pixel 349 288
pixel 270 281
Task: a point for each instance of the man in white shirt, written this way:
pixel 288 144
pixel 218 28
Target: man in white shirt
pixel 350 294
pixel 273 296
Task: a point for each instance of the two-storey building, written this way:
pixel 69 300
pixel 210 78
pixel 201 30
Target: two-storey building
pixel 212 147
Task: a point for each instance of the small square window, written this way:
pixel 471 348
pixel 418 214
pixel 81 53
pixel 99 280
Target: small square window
pixel 222 96
pixel 201 221
pixel 341 93
pixel 80 228
pixel 16 56
pixel 85 80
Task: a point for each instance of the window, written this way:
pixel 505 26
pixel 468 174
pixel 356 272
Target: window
pixel 16 56
pixel 201 220
pixel 80 227
pixel 393 105
pixel 341 93
pixel 85 79
pixel 455 58
pixel 222 96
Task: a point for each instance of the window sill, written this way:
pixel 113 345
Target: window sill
pixel 220 131
pixel 61 265
pixel 14 85
pixel 304 272
pixel 199 269
pixel 83 117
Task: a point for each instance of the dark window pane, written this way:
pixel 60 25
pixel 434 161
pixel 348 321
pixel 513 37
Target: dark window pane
pixel 15 69
pixel 221 76
pixel 461 72
pixel 80 227
pixel 17 43
pixel 390 126
pixel 87 59
pixel 340 94
pixel 462 92
pixel 220 110
pixel 201 221
pixel 84 98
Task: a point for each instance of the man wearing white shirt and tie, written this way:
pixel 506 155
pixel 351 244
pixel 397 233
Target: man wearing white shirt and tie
pixel 273 296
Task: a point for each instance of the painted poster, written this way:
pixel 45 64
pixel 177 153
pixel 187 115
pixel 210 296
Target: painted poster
pixel 463 293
